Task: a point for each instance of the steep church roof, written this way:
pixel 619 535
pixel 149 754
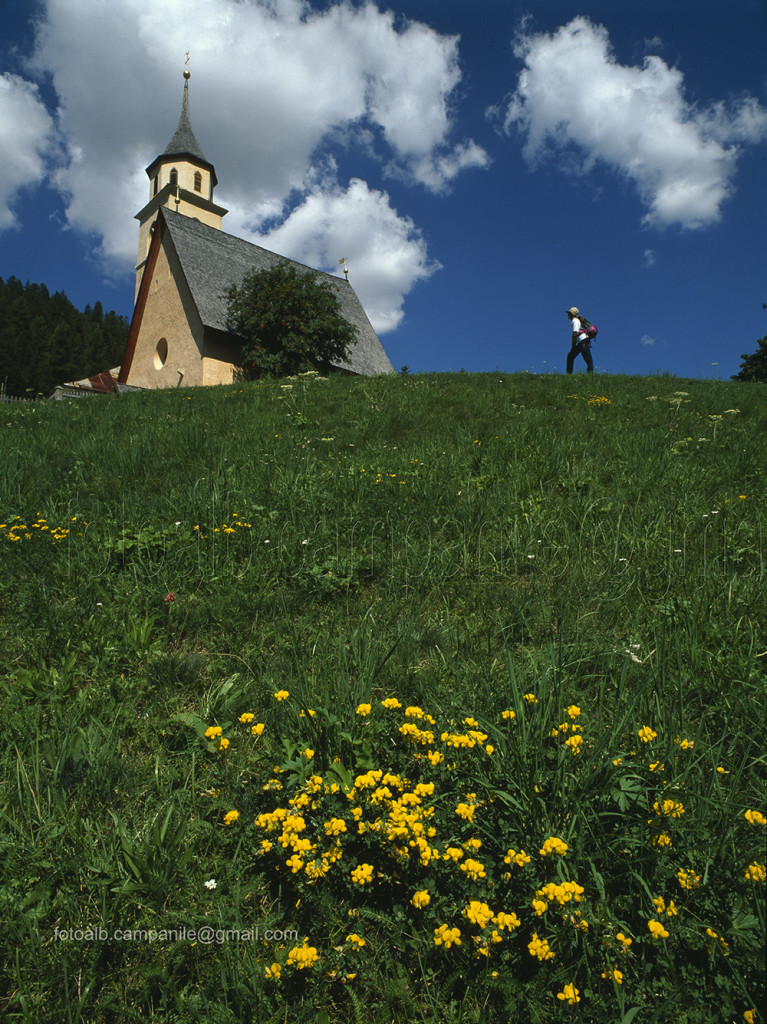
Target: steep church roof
pixel 213 260
pixel 184 141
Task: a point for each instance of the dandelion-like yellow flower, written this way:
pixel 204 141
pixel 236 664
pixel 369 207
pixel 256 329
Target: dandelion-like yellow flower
pixel 504 920
pixel 553 845
pixel 478 913
pixel 363 874
pixel 614 974
pixel 540 948
pixel 391 702
pixel 687 879
pixel 281 695
pixel 755 818
pixel 230 817
pixel 444 936
pixel 364 709
pixel 756 872
pixel 420 899
pixel 520 859
pixel 646 734
pixel 569 994
pixel 574 743
pixel 473 869
pixel 657 930
pixel 303 956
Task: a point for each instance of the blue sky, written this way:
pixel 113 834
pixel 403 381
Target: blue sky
pixel 481 166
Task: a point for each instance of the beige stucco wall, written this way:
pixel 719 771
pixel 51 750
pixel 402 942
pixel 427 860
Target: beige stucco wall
pixel 186 172
pixel 169 314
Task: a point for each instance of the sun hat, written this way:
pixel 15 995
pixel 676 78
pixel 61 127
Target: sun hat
pixel 574 310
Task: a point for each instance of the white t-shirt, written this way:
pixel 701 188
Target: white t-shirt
pixel 576 326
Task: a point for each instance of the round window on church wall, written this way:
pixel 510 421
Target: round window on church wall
pixel 160 354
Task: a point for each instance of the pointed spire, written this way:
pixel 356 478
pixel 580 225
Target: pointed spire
pixel 184 141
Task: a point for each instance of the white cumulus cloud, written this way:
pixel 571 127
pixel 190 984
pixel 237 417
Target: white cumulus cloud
pixel 636 120
pixel 386 254
pixel 26 129
pixel 280 91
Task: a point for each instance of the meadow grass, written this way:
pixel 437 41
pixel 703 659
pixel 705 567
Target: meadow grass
pixel 429 698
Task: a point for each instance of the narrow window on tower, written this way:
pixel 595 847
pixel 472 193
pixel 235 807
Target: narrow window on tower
pixel 154 185
pixel 174 178
pixel 197 181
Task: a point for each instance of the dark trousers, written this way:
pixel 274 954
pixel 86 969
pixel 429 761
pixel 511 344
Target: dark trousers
pixel 584 347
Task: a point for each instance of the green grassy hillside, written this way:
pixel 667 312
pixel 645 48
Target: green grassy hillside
pixel 424 698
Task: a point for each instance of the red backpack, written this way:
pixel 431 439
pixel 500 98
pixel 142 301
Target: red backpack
pixel 587 327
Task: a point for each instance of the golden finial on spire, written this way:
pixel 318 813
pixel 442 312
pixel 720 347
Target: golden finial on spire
pixel 187 72
pixel 346 269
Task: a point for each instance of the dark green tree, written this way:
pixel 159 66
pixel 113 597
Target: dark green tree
pixel 45 340
pixel 289 321
pixel 754 367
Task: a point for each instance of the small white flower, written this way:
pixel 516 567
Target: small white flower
pixel 303 542
pixel 211 883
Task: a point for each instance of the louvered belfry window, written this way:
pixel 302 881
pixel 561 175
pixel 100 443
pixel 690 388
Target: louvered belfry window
pixel 174 178
pixel 197 181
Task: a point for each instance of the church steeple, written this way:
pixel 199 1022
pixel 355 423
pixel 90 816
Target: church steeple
pixel 184 141
pixel 180 179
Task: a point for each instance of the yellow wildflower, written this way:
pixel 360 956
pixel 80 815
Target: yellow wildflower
pixel 281 695
pixel 256 730
pixel 246 718
pixel 570 994
pixel 444 936
pixel 553 845
pixel 303 956
pixel 363 874
pixel 230 817
pixel 364 709
pixel 420 899
pixel 213 731
pixel 755 818
pixel 646 734
pixel 756 872
pixel 657 930
pixel 274 971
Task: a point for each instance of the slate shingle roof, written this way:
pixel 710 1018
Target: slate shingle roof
pixel 184 141
pixel 213 260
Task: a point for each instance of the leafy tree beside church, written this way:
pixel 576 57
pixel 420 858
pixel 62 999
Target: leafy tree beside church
pixel 45 340
pixel 289 321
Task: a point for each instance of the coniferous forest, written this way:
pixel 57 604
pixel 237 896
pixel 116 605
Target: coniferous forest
pixel 45 340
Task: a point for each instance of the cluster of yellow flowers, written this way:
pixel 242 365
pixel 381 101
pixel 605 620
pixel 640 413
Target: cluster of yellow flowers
pixel 18 530
pixel 553 845
pixel 540 948
pixel 756 872
pixel 343 823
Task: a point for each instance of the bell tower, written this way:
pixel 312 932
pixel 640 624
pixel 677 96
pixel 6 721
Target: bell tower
pixel 180 179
